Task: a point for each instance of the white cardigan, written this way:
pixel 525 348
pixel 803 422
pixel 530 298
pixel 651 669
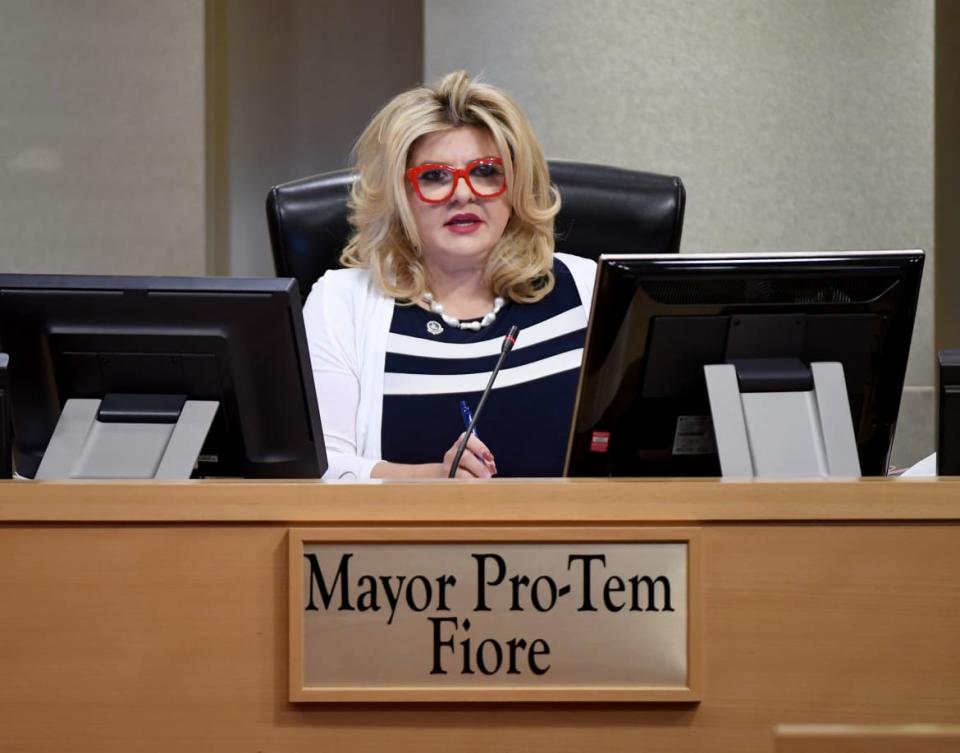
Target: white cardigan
pixel 347 320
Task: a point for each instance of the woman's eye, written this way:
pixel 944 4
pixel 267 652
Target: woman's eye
pixel 484 171
pixel 436 175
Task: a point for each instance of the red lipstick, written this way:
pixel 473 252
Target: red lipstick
pixel 463 222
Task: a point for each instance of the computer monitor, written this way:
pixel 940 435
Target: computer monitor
pixel 143 340
pixel 642 404
pixel 948 412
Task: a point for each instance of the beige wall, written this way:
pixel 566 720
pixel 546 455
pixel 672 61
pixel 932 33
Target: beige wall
pixel 948 174
pixel 794 125
pixel 101 136
pixel 112 113
pixel 303 79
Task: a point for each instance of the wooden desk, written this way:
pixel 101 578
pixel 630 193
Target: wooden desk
pixel 153 617
pixel 877 738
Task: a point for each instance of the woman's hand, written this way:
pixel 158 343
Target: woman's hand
pixel 477 460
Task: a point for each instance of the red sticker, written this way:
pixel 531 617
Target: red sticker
pixel 599 441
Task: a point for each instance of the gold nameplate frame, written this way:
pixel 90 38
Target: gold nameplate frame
pixel 494 614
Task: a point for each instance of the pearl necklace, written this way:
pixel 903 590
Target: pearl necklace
pixel 437 308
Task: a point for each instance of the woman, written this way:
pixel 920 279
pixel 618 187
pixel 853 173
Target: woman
pixel 453 244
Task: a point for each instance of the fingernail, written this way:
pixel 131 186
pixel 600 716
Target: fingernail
pixel 487 456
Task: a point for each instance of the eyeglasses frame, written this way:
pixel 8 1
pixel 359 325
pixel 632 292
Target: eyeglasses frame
pixel 413 175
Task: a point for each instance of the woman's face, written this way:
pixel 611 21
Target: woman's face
pixel 461 231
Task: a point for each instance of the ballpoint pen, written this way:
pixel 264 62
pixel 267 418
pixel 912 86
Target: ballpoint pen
pixel 467 417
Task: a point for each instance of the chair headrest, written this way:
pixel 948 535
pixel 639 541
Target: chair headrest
pixel 604 210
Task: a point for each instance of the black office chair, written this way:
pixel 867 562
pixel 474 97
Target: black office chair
pixel 604 210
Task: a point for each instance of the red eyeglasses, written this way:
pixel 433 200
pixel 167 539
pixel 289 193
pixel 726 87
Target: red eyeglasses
pixel 435 183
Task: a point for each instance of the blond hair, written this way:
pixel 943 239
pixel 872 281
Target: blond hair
pixel 385 239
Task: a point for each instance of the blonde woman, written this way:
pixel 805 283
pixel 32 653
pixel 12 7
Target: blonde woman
pixel 452 244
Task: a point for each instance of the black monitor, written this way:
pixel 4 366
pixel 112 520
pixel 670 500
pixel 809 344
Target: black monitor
pixel 240 342
pixel 657 320
pixel 948 424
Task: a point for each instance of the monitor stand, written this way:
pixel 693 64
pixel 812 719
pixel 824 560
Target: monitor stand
pixel 128 437
pixel 6 435
pixel 780 419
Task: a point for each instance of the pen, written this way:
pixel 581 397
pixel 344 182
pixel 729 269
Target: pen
pixel 467 417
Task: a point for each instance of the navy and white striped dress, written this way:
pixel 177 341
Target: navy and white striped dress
pixel 526 420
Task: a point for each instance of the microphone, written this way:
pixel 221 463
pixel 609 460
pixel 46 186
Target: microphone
pixel 508 342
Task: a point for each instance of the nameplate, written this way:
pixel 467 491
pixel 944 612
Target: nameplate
pixel 512 614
